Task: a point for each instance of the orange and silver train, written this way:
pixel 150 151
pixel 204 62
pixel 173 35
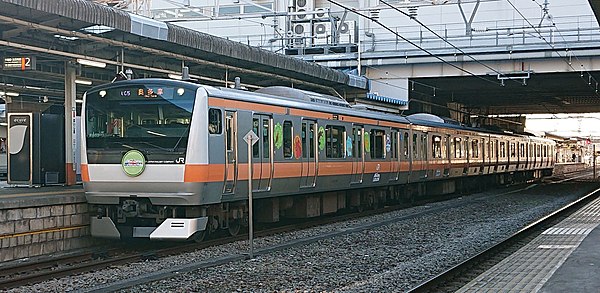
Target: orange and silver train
pixel 165 159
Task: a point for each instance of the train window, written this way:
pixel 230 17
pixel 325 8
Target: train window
pixel 311 140
pixel 214 121
pixel 287 139
pixel 537 151
pixel 457 147
pixel 513 151
pixel 466 148
pixel 436 146
pixel 415 140
pixel 475 148
pixel 308 129
pixel 530 151
pixel 358 142
pixel 334 138
pixel 304 139
pixel 394 145
pixel 486 148
pixel 445 147
pixel 230 132
pixel 377 144
pixel 521 150
pixel 266 138
pixel 255 150
pixel 424 146
pixel 502 150
pixel 405 144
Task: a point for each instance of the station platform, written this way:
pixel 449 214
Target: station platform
pixel 42 220
pixel 15 197
pixel 564 258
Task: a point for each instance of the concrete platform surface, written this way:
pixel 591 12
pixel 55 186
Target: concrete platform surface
pixel 18 197
pixel 581 271
pixel 564 258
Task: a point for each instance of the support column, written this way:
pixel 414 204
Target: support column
pixel 70 113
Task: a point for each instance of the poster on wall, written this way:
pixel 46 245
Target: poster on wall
pixel 19 148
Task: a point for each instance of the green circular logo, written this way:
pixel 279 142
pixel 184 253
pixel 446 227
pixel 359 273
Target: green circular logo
pixel 133 163
pixel 321 137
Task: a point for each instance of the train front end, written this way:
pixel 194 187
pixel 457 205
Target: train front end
pixel 135 146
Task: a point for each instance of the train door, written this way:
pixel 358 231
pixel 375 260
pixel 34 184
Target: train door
pixel 412 154
pixel 467 156
pixel 231 156
pixel 395 155
pixel 262 153
pixel 309 156
pixel 482 155
pixel 530 156
pixel 405 158
pixel 447 154
pixel 358 154
pixel 419 156
pixel 424 154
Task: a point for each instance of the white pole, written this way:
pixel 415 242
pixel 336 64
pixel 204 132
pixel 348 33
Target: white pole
pixel 594 158
pixel 250 219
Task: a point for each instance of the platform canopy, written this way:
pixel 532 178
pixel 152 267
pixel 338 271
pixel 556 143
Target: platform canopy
pixel 39 37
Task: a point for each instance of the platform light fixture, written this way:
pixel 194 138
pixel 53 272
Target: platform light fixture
pixel 83 81
pixel 91 63
pixel 10 94
pixel 175 76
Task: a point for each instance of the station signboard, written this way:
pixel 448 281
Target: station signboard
pixel 18 63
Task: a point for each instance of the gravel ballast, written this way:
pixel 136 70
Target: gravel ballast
pixel 389 258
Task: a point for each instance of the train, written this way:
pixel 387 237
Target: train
pixel 168 160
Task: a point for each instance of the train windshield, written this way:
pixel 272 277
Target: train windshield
pixel 152 118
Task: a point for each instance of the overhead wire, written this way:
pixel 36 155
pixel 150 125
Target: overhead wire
pixel 435 88
pixel 444 39
pixel 424 94
pixel 591 77
pixel 566 44
pixel 410 42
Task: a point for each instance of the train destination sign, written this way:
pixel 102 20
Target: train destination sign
pixel 18 63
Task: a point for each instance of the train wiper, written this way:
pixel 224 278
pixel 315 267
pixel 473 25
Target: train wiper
pixel 185 132
pixel 156 146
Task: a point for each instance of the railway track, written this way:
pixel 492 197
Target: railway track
pixel 23 274
pixel 57 267
pixel 461 274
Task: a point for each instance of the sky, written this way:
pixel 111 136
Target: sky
pixel 568 125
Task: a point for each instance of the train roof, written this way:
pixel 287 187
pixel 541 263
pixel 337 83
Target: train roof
pixel 300 99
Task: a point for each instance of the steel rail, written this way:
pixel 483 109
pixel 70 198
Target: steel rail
pixel 38 272
pixel 174 271
pixel 452 275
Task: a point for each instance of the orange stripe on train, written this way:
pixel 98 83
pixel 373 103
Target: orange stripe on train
pixel 85 174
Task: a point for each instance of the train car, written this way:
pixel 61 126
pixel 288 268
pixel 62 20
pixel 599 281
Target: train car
pixel 165 159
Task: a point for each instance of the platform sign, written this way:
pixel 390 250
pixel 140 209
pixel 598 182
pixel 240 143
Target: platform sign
pixel 18 63
pixel 251 138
